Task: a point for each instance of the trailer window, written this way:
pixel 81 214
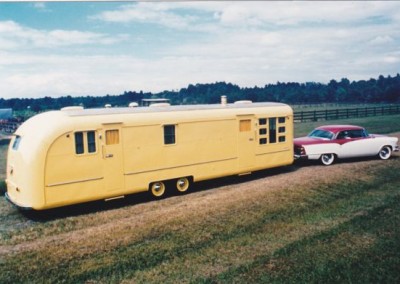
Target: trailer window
pixel 169 134
pixel 263 141
pixel 272 130
pixel 263 131
pixel 112 137
pixel 245 125
pixel 83 138
pixel 79 148
pixel 91 138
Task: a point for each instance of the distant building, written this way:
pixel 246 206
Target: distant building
pixel 5 113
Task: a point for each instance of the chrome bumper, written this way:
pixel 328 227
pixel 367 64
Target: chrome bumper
pixel 300 157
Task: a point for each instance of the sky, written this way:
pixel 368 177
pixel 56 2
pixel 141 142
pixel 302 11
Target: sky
pixel 98 48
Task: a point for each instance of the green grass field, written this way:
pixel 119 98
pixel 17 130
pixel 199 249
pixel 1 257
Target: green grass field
pixel 299 224
pixel 377 124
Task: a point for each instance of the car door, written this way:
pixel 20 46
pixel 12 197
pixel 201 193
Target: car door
pixel 353 143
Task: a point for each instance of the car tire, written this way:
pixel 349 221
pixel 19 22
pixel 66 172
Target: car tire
pixel 385 153
pixel 327 159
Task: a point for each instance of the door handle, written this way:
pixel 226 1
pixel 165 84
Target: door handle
pixel 109 156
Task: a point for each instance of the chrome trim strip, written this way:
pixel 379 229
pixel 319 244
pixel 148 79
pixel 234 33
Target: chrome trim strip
pixel 74 181
pixel 181 166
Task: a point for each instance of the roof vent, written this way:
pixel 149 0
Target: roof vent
pixel 160 105
pixel 72 108
pixel 243 102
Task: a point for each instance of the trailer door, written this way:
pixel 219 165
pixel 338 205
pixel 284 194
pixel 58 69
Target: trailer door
pixel 246 140
pixel 113 158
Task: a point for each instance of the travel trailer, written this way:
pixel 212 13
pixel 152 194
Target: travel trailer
pixel 77 155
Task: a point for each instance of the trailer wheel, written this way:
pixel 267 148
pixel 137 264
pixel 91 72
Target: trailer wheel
pixel 182 184
pixel 157 189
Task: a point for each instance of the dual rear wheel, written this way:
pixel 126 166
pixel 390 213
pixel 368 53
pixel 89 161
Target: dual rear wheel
pixel 159 188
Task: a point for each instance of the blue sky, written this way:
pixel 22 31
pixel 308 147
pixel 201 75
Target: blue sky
pixel 98 48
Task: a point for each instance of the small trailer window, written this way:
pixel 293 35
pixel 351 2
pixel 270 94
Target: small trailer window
pixel 169 134
pixel 16 142
pixel 263 131
pixel 262 121
pixel 112 137
pixel 245 125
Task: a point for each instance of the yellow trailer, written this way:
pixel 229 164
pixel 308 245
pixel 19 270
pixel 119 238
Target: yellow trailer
pixel 76 155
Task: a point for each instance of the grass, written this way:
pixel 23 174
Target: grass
pixel 333 230
pixel 363 249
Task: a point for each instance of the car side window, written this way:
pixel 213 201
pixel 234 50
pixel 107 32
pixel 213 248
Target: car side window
pixel 343 135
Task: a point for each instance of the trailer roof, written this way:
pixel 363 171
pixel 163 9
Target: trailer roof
pixel 157 109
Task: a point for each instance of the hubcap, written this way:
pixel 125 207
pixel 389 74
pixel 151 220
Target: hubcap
pixel 182 184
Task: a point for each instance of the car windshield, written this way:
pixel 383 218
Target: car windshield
pixel 321 134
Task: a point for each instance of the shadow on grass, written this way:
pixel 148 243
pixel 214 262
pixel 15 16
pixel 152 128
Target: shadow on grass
pixel 145 197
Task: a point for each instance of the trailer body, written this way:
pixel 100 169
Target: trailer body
pixel 77 155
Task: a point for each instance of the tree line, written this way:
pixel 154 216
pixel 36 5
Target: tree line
pixel 380 90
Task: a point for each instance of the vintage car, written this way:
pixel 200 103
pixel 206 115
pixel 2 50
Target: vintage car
pixel 327 143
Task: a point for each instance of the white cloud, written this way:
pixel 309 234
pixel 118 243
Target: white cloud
pixel 378 40
pixel 248 13
pixel 41 6
pixel 153 13
pixel 244 43
pixel 14 35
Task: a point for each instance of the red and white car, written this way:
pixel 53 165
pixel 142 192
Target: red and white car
pixel 327 143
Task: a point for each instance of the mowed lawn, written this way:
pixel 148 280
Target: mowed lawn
pixel 304 223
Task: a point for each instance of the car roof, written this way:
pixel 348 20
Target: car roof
pixel 337 128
